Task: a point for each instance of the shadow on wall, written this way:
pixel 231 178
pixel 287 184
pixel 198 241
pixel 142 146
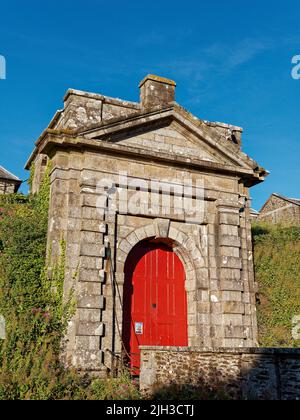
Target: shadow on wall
pixel 188 392
pixel 223 374
pixel 205 392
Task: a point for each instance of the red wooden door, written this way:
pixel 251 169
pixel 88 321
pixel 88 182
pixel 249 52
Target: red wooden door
pixel 155 303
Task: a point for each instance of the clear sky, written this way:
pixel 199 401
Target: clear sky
pixel 231 60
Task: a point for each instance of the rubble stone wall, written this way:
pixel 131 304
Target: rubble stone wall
pixel 235 373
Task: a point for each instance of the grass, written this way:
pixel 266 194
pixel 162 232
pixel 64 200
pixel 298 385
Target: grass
pixel 277 271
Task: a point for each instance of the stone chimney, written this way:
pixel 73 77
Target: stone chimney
pixel 157 91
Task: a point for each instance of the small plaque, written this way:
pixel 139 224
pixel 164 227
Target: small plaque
pixel 139 328
pixel 2 328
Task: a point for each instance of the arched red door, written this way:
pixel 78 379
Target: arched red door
pixel 155 302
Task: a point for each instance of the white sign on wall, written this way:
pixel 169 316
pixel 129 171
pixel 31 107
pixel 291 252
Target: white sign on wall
pixel 296 327
pixel 2 328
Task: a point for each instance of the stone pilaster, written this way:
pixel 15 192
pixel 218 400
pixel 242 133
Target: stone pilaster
pixel 230 302
pixel 250 287
pixel 92 276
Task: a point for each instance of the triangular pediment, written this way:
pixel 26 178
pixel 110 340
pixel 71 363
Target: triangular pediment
pixel 171 132
pixel 172 140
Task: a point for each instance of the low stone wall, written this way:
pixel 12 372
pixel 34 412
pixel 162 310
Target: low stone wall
pixel 272 374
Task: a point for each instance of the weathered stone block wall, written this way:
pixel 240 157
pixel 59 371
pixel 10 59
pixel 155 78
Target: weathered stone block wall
pixel 279 211
pixel 7 187
pixel 238 373
pixel 216 252
pixel 85 110
pixel 157 91
pixel 171 139
pixel 40 165
pixel 96 138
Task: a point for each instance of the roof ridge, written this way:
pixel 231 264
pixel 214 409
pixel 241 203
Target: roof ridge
pixel 8 175
pixel 99 96
pixel 291 200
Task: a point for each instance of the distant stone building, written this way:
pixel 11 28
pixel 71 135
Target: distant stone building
pixel 281 210
pixel 154 206
pixel 254 215
pixel 9 183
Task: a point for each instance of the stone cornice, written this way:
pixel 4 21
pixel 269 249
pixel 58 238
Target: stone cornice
pixel 238 162
pixel 185 119
pixel 53 141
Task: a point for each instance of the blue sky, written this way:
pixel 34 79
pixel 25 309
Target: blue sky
pixel 231 60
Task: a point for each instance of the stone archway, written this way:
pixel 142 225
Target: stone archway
pixel 189 253
pixel 154 299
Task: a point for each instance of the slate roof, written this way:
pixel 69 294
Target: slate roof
pixel 4 174
pixel 290 200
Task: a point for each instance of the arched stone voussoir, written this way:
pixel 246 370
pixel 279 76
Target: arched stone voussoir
pixel 121 256
pixel 132 239
pixel 185 247
pixel 136 236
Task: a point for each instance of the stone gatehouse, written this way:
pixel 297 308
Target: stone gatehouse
pixel 153 204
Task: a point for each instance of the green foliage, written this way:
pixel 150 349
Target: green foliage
pixel 31 176
pixel 41 200
pixel 122 388
pixel 37 315
pixel 277 268
pixel 30 302
pixel 35 312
